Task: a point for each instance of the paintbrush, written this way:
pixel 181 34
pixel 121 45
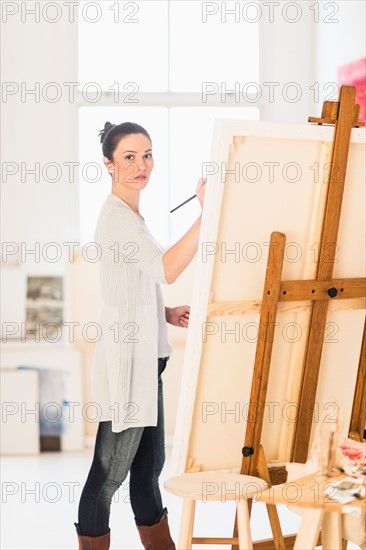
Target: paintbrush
pixel 185 202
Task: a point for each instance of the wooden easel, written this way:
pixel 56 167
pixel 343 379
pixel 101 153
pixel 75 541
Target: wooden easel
pixel 344 115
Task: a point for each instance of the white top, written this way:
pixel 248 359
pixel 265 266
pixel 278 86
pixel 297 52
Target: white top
pixel 133 325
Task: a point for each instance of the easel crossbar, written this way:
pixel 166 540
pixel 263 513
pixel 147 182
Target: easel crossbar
pixel 336 289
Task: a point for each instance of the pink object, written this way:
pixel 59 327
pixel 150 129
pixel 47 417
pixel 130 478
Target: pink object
pixel 355 451
pixel 354 74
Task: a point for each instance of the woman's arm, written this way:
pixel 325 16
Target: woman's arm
pixel 178 256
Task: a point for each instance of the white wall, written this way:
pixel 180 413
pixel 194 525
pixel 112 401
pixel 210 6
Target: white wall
pixel 36 130
pixel 287 61
pixel 340 43
pixel 36 209
pixel 308 52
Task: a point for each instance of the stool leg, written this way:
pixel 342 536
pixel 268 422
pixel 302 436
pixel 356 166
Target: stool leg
pixel 308 534
pixel 332 530
pixel 186 526
pixel 245 537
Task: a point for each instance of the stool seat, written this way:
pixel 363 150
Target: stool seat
pixel 215 485
pixel 210 486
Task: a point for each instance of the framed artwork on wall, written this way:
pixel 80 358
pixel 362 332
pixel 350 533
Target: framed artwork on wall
pixel 44 308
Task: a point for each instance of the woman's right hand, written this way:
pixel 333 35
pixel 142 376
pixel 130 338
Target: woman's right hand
pixel 200 191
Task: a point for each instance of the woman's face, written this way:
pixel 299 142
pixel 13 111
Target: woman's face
pixel 132 163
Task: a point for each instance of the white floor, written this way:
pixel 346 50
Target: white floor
pixel 40 497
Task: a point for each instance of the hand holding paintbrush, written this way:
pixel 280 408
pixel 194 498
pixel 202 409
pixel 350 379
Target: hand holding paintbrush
pixel 200 194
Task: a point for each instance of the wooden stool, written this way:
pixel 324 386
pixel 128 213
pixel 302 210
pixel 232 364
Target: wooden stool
pixel 207 486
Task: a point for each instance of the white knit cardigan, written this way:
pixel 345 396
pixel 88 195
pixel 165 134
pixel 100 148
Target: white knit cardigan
pixel 124 376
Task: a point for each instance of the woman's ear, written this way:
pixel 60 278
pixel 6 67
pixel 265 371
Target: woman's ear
pixel 109 164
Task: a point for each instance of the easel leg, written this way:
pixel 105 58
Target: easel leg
pixel 271 508
pixel 358 416
pixel 319 308
pixel 271 293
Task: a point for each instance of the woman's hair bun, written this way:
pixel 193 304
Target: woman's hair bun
pixel 107 127
pixel 112 134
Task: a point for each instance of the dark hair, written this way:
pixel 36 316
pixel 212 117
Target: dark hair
pixel 111 135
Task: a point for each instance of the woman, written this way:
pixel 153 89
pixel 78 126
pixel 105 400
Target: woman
pixel 134 349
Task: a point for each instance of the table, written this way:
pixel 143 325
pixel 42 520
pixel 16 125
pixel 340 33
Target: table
pixel 320 510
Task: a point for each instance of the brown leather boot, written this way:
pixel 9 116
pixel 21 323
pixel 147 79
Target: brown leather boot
pixel 157 536
pixel 93 543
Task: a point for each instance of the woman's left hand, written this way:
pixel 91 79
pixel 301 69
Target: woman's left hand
pixel 178 316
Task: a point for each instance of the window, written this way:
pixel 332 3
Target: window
pixel 170 66
pixel 127 42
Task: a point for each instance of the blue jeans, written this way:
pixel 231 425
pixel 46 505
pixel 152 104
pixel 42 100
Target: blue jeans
pixel 140 451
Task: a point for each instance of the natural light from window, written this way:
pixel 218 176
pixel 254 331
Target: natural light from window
pixel 170 50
